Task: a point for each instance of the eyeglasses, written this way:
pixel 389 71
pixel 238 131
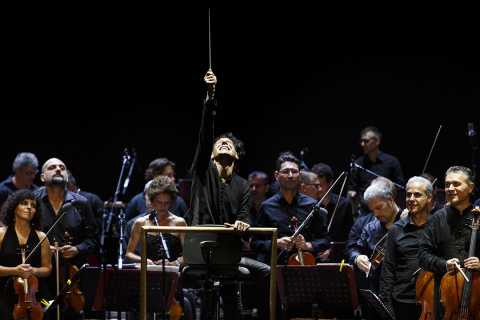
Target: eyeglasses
pixel 366 140
pixel 289 171
pixel 316 185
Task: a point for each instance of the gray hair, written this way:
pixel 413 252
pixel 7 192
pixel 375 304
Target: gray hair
pixel 422 180
pixel 466 172
pixel 25 159
pixel 379 188
pixel 147 185
pixel 307 177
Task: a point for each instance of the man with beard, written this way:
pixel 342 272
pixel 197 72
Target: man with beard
pixel 279 210
pixel 397 281
pixel 379 197
pixel 75 233
pixel 446 240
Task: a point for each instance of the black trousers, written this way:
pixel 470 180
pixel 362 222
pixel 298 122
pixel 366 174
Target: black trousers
pixel 260 272
pixel 406 310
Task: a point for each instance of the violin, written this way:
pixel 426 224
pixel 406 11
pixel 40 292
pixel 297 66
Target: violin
pixel 74 296
pixel 27 306
pixel 378 254
pixel 300 258
pixel 460 293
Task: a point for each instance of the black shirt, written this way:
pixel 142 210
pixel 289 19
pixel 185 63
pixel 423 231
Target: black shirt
pixel 276 212
pixel 214 201
pixel 447 235
pixel 397 281
pixel 385 165
pixel 78 221
pixel 7 188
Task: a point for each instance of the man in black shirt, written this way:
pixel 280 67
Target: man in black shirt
pixel 279 210
pixel 220 196
pixel 25 168
pixel 382 164
pixel 397 282
pixel 76 232
pixel 446 240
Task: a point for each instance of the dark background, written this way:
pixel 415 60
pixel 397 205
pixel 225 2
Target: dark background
pixel 287 80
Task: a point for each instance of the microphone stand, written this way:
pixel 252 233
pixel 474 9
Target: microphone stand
pixel 356 165
pixel 164 253
pixel 108 217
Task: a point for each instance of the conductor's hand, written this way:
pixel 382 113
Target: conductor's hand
pixel 211 80
pixel 363 263
pixel 285 243
pixel 472 263
pixel 69 251
pixel 238 225
pixel 451 264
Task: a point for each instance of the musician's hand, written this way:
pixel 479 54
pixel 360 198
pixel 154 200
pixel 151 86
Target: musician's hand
pixel 324 255
pixel 472 263
pixel 300 243
pixel 69 251
pixel 451 264
pixel 352 194
pixel 211 80
pixel 238 225
pixel 149 261
pixel 363 263
pixel 24 270
pixel 285 243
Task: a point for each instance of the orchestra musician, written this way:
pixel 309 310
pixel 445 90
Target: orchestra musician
pixel 75 234
pixel 397 281
pixel 22 229
pixel 161 193
pixel 446 240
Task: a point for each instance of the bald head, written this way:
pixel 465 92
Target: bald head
pixel 54 172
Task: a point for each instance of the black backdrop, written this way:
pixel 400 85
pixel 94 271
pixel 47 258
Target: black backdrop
pixel 288 79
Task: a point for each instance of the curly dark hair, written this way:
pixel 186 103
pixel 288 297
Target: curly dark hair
pixel 8 209
pixel 239 145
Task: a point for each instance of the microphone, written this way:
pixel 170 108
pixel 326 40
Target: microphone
pixel 472 135
pixel 67 206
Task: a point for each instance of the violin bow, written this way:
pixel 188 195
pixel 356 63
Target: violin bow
pixel 431 149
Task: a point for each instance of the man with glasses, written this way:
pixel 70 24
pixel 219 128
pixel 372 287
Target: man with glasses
pixel 381 163
pixel 25 168
pixel 286 206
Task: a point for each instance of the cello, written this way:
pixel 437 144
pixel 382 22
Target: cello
pixel 27 306
pixel 459 296
pixel 425 292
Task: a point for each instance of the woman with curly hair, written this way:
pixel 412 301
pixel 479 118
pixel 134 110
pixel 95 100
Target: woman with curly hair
pixel 21 230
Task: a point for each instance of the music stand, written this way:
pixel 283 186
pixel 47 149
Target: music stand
pixel 377 305
pixel 322 290
pixel 228 251
pixel 115 289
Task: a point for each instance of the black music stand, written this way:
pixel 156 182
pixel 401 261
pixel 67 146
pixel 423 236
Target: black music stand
pixel 318 291
pixel 376 304
pixel 116 289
